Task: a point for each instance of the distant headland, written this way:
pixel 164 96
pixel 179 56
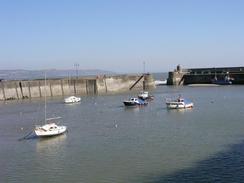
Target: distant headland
pixel 20 74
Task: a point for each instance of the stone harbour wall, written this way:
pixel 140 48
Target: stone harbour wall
pixel 19 89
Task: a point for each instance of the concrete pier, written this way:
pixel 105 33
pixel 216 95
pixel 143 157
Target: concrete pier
pixel 177 76
pixel 18 89
pixel 204 75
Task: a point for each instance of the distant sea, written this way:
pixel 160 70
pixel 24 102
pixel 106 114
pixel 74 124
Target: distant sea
pixel 160 75
pixel 53 73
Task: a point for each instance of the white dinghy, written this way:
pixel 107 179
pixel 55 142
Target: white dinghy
pixel 72 99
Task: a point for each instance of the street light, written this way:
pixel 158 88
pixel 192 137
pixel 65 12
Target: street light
pixel 76 65
pixel 144 67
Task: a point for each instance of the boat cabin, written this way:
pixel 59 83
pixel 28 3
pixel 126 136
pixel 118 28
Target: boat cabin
pixel 134 99
pixel 180 100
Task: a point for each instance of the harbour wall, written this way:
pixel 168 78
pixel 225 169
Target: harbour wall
pixel 27 89
pixel 205 75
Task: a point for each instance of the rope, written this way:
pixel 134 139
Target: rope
pixel 26 136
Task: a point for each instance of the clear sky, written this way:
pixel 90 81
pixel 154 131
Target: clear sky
pixel 119 35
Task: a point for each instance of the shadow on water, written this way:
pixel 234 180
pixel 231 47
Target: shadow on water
pixel 224 167
pixel 31 135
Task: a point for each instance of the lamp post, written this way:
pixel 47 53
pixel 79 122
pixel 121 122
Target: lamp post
pixel 76 65
pixel 144 67
pixel 76 69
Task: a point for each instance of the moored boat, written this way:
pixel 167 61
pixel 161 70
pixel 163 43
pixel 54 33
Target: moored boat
pixel 134 102
pixel 49 129
pixel 160 82
pixel 221 82
pixel 227 80
pixel 179 103
pixel 144 95
pixel 72 99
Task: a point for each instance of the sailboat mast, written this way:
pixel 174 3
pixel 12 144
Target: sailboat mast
pixel 45 97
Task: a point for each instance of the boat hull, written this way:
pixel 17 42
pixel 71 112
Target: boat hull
pixel 175 105
pixel 41 133
pixel 128 103
pixel 220 82
pixel 70 102
pixel 146 98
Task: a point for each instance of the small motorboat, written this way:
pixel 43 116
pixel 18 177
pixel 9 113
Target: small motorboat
pixel 72 99
pixel 144 95
pixel 179 103
pixel 134 102
pixel 227 80
pixel 49 129
pixel 221 82
pixel 160 82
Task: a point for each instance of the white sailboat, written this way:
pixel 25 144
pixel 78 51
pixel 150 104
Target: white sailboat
pixel 50 128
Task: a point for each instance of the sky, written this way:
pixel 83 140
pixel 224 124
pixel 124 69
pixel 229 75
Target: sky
pixel 121 35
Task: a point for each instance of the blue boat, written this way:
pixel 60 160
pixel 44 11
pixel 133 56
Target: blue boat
pixel 135 102
pixel 222 82
pixel 226 81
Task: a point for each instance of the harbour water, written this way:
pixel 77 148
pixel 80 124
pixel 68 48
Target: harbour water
pixel 108 143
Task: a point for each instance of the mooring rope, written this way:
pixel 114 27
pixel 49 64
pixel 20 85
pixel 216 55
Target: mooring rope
pixel 26 136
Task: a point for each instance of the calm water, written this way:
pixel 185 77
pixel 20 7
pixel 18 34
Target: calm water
pixel 108 143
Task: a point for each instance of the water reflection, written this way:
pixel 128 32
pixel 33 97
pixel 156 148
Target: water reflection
pixel 182 111
pixel 50 144
pixel 132 108
pixel 72 104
